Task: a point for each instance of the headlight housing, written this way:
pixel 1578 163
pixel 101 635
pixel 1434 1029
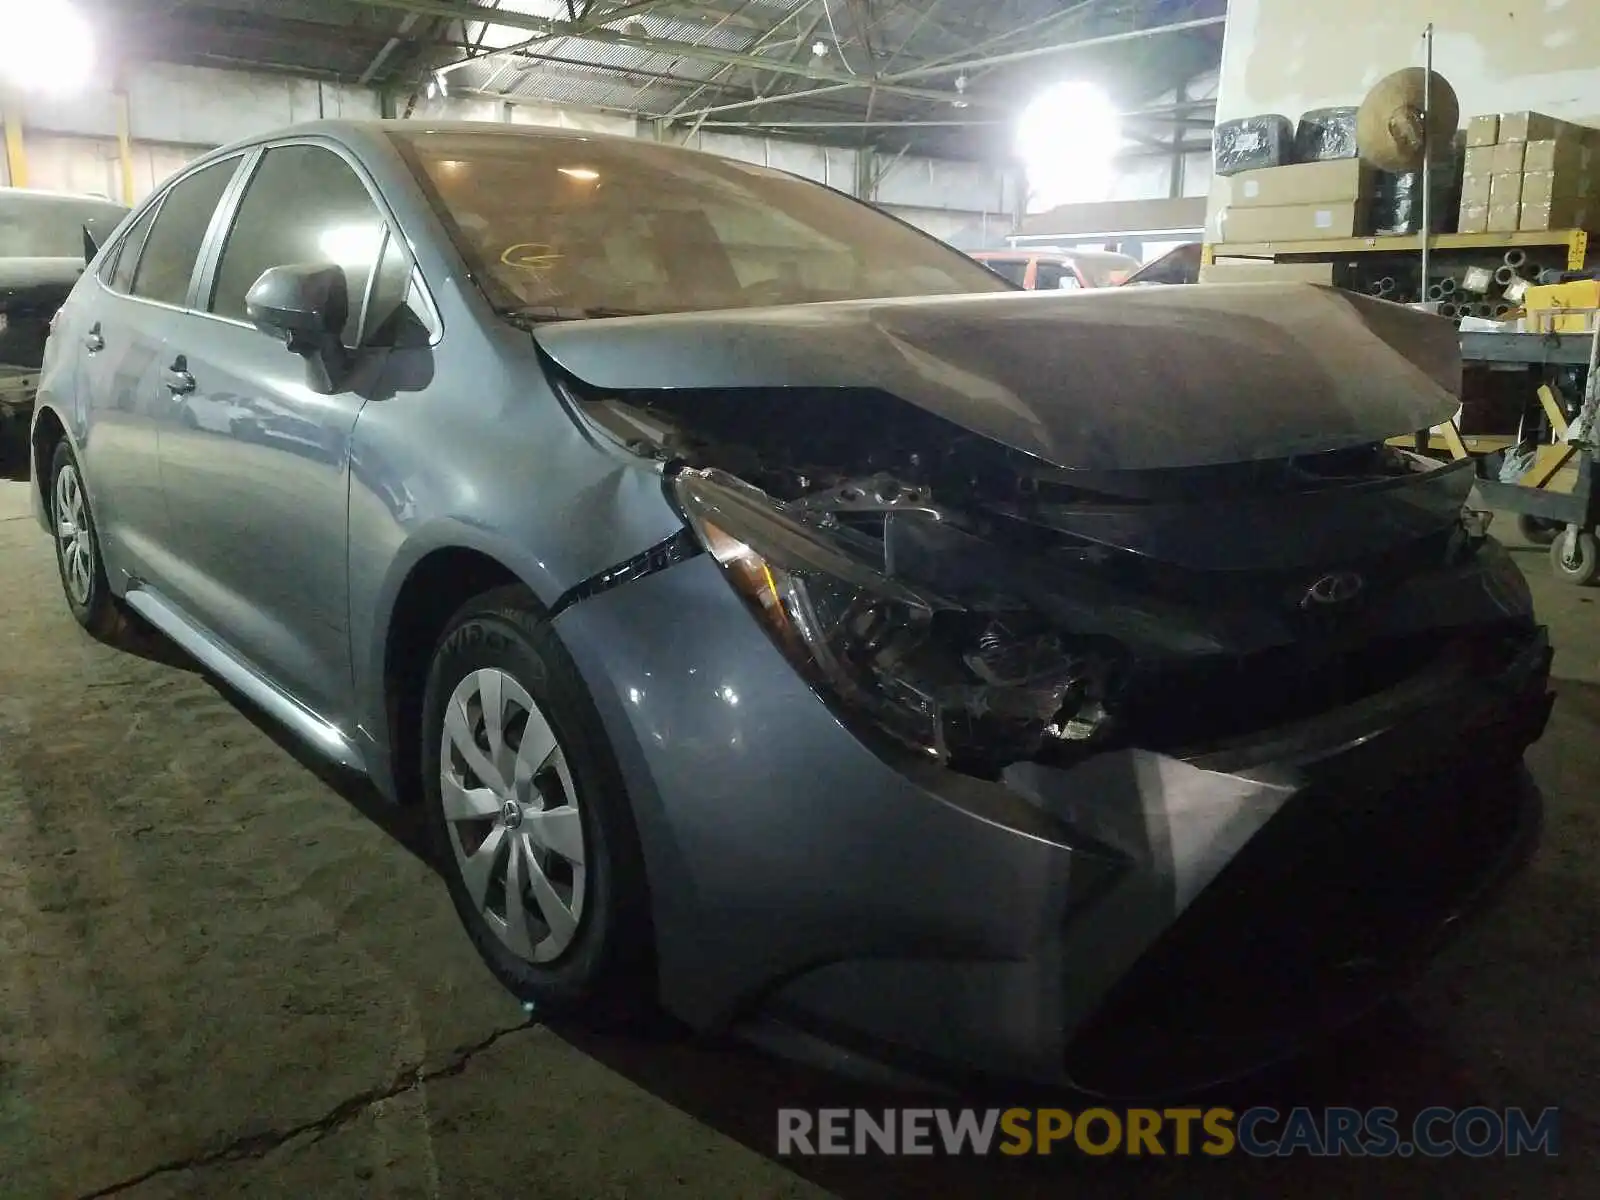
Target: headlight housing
pixel 974 687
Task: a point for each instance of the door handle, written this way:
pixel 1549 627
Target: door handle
pixel 92 340
pixel 177 378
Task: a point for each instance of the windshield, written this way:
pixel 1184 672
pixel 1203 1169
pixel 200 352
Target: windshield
pixel 42 226
pixel 570 226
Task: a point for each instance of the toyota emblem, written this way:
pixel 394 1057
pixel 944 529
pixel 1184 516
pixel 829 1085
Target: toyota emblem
pixel 1340 587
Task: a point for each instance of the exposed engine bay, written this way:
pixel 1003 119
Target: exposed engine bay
pixel 984 607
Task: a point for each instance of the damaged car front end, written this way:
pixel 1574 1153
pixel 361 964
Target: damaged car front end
pixel 1123 725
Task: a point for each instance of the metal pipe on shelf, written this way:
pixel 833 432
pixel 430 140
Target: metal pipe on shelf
pixel 1427 150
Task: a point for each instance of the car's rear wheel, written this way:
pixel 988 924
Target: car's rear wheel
pixel 83 572
pixel 527 811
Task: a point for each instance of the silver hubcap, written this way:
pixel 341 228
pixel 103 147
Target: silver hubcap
pixel 72 534
pixel 513 815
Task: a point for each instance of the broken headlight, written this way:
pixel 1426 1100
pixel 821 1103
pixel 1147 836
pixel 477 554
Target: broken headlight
pixel 976 688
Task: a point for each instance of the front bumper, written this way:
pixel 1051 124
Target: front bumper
pixel 1136 923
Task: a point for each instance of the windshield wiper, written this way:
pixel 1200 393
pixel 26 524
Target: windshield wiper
pixel 554 312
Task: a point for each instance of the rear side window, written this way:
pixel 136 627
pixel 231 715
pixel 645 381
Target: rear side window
pixel 120 277
pixel 174 240
pixel 304 205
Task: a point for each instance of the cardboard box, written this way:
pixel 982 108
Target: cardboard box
pixel 1582 296
pixel 1570 153
pixel 1529 127
pixel 1504 190
pixel 1503 218
pixel 1508 158
pixel 1571 212
pixel 1303 183
pixel 1543 187
pixel 1479 160
pixel 1475 191
pixel 1474 218
pixel 1266 272
pixel 1484 130
pixel 1292 222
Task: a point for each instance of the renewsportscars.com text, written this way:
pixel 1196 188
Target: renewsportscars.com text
pixel 1257 1132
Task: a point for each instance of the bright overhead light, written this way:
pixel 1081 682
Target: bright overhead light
pixel 444 87
pixel 46 46
pixel 1068 138
pixel 819 49
pixel 583 173
pixel 351 245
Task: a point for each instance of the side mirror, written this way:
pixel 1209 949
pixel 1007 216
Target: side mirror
pixel 305 307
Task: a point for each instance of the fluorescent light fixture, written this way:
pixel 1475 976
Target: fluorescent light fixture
pixel 444 87
pixel 1068 138
pixel 46 46
pixel 588 175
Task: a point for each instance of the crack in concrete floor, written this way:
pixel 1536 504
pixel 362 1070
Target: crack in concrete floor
pixel 258 1145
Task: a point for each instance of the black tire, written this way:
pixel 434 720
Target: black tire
pixel 1583 568
pixel 606 972
pixel 1538 530
pixel 93 607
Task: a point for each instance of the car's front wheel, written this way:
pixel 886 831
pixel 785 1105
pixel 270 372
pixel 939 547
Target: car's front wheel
pixel 83 571
pixel 528 813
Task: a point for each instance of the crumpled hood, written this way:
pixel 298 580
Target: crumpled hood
pixel 1107 380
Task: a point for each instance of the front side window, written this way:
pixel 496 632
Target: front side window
pixel 173 243
pixel 1013 269
pixel 304 204
pixel 1054 276
pixel 574 226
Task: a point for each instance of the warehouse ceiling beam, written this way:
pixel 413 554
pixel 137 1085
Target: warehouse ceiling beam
pixel 543 27
pixel 389 47
pixel 888 83
pixel 849 124
pixel 1045 25
pixel 995 60
pixel 712 81
pixel 683 11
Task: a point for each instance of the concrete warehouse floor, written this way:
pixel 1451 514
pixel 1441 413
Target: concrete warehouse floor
pixel 221 975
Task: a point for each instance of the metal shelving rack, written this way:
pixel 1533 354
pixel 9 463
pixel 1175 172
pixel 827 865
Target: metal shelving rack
pixel 1576 242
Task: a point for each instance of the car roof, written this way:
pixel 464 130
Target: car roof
pixel 1105 257
pixel 358 133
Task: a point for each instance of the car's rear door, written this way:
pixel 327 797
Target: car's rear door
pixel 257 472
pixel 117 324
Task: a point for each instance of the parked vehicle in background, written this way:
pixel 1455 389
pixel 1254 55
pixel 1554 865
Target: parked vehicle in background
pixel 778 616
pixel 42 252
pixel 1179 265
pixel 1050 270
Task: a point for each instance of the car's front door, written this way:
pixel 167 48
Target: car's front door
pixel 119 329
pixel 256 471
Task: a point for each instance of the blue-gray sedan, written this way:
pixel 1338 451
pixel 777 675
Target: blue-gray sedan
pixel 783 620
